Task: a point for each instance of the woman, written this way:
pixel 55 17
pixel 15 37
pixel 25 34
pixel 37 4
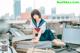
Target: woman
pixel 39 29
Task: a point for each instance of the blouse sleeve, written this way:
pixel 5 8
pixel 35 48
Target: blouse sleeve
pixel 32 25
pixel 43 27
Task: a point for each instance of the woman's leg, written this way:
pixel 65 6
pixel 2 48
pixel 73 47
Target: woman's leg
pixel 58 42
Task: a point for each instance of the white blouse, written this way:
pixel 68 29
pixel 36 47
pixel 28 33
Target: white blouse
pixel 42 27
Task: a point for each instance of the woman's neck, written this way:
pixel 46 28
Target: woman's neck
pixel 38 20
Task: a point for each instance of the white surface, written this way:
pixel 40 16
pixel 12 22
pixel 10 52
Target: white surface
pixel 78 49
pixel 19 35
pixel 22 38
pixel 71 35
pixel 30 44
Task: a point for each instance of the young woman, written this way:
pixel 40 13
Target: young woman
pixel 40 32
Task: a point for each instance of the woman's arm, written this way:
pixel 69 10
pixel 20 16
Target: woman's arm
pixel 42 30
pixel 39 34
pixel 36 38
pixel 34 32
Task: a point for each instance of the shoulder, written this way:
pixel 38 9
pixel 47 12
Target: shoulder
pixel 44 22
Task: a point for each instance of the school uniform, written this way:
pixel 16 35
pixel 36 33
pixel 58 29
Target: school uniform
pixel 46 34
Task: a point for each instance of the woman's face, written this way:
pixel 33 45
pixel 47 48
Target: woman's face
pixel 36 16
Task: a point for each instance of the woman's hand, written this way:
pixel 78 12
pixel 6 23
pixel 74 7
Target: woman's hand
pixel 35 40
pixel 34 31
